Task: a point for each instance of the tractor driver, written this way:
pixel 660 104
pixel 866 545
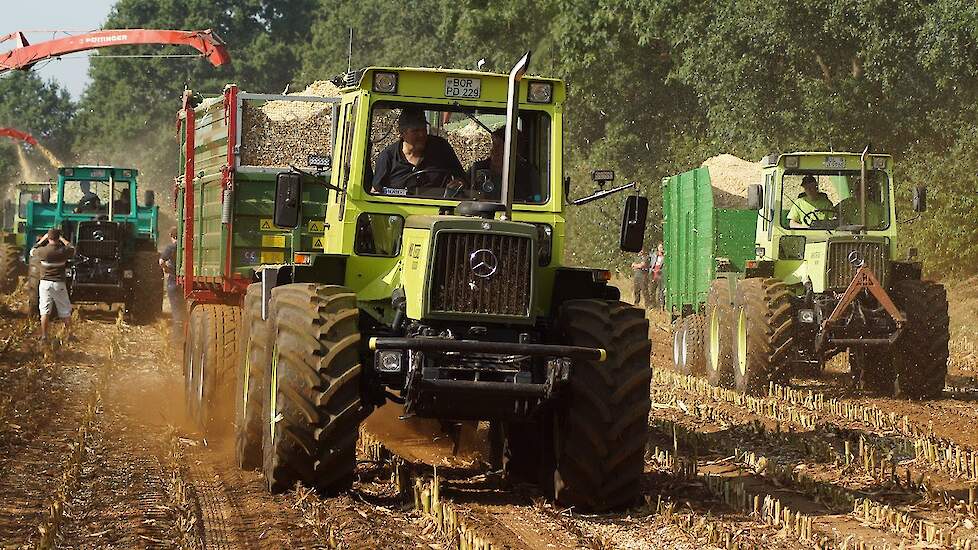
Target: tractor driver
pixel 810 206
pixel 89 201
pixel 418 163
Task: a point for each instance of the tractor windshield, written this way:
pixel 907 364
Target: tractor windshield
pixel 92 196
pixel 455 152
pixel 828 200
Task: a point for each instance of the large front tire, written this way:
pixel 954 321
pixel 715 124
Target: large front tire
pixel 764 334
pixel 10 267
pixel 314 407
pixel 601 422
pixel 921 357
pixel 252 382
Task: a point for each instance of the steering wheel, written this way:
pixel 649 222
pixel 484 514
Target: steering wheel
pixel 91 202
pixel 810 218
pixel 443 181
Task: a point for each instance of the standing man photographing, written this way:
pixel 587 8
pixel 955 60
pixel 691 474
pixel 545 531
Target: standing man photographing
pixel 53 252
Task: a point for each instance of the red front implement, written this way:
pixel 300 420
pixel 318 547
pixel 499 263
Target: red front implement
pixel 17 134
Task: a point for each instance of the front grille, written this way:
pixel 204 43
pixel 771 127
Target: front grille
pixel 456 287
pixel 98 249
pixel 840 268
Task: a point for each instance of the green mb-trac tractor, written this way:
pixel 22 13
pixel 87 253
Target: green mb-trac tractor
pixel 115 260
pixel 809 270
pixel 448 295
pixel 13 226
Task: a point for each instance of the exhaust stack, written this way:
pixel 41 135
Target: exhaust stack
pixel 512 116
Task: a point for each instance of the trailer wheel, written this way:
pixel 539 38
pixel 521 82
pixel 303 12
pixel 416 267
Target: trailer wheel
pixel 192 359
pixel 10 267
pixel 764 334
pixel 719 335
pixel 601 421
pixel 314 407
pixel 252 382
pixel 693 345
pixel 920 361
pixel 218 348
pixel 146 294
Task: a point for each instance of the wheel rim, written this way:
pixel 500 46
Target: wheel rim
pixel 714 340
pixel 675 345
pixel 246 377
pixel 200 379
pixel 742 342
pixel 273 393
pixel 685 347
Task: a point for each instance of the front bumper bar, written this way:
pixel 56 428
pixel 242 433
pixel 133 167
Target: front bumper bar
pixel 475 346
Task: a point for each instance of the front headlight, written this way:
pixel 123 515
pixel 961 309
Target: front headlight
pixel 545 238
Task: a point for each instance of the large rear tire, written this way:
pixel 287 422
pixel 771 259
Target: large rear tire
pixel 10 267
pixel 314 407
pixel 146 297
pixel 219 357
pixel 601 420
pixel 252 382
pixel 764 333
pixel 719 335
pixel 920 360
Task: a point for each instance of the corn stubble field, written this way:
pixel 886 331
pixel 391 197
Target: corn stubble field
pixel 95 452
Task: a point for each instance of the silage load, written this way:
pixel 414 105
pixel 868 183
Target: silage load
pixel 730 177
pixel 283 132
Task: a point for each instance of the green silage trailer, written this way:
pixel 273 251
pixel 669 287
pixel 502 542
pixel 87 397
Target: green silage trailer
pixel 699 242
pixel 226 191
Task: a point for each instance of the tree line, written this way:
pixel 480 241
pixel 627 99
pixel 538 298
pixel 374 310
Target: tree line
pixel 654 87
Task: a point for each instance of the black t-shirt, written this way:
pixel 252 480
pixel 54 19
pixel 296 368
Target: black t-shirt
pixel 527 184
pixel 169 255
pixel 393 169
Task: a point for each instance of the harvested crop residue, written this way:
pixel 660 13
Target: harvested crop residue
pixel 730 177
pixel 285 132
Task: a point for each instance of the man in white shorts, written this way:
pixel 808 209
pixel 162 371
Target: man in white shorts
pixel 53 252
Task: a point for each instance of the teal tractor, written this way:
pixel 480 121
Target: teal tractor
pixel 810 269
pixel 115 239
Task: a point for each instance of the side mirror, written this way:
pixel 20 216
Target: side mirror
pixel 919 198
pixel 602 177
pixel 755 196
pixel 633 223
pixel 149 198
pixel 288 189
pixel 46 195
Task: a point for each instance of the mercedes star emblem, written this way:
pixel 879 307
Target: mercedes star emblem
pixel 856 259
pixel 483 263
pixel 98 235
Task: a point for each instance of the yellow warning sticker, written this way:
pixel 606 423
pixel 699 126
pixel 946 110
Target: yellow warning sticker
pixel 266 225
pixel 273 241
pixel 272 257
pixel 318 243
pixel 315 226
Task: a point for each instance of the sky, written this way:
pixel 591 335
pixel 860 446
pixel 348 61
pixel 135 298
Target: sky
pixel 48 15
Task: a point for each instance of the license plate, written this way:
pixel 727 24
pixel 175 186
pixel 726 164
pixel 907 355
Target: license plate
pixel 466 88
pixel 835 162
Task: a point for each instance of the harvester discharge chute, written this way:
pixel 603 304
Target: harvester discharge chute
pixel 25 55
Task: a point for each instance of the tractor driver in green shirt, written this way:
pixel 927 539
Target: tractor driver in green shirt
pixel 810 206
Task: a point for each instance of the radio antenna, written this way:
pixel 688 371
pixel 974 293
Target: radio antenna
pixel 349 56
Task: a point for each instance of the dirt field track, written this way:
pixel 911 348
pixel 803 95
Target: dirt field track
pixel 95 453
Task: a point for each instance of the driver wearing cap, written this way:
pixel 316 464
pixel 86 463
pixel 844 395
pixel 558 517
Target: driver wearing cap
pixel 811 205
pixel 417 160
